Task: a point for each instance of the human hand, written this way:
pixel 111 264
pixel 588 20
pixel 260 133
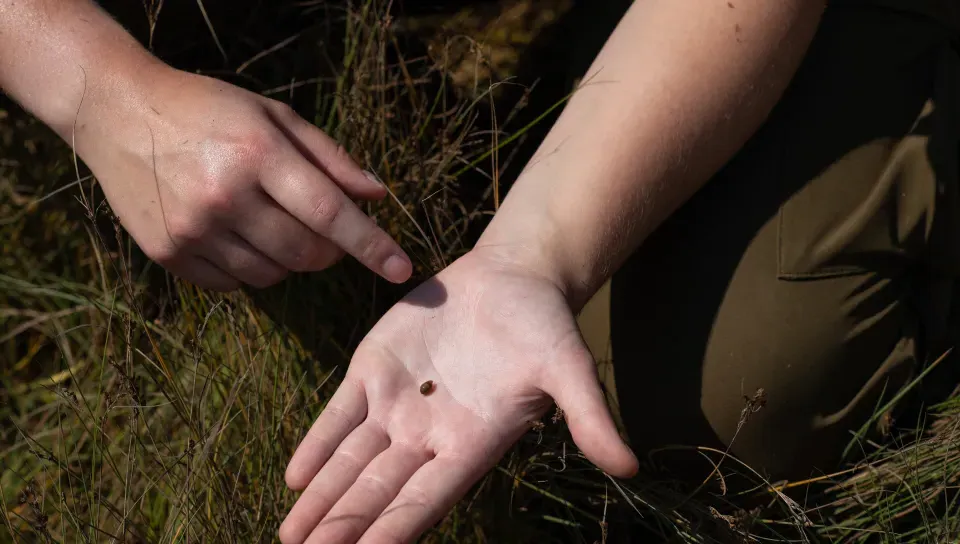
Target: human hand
pixel 222 186
pixel 383 461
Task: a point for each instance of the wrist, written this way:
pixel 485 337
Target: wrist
pixel 105 92
pixel 540 252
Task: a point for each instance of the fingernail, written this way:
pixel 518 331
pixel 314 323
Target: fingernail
pixel 373 179
pixel 397 268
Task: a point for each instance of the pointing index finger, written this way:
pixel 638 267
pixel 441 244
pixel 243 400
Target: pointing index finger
pixel 325 153
pixel 313 198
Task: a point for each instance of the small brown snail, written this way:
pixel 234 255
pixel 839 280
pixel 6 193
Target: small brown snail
pixel 426 387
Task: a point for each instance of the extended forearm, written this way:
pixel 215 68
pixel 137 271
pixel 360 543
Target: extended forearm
pixel 675 92
pixel 53 53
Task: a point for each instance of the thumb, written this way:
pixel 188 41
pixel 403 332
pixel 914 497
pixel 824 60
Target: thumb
pixel 573 384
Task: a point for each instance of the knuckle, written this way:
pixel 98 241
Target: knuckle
pixel 217 197
pixel 310 257
pixel 302 257
pixel 331 258
pixel 184 229
pixel 282 109
pixel 267 278
pixel 163 254
pixel 326 210
pixel 274 277
pixel 346 161
pixel 373 244
pixel 343 155
pixel 261 143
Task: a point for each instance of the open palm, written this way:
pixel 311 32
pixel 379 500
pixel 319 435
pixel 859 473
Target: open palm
pixel 389 456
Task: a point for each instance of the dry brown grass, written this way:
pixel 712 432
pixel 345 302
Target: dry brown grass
pixel 138 409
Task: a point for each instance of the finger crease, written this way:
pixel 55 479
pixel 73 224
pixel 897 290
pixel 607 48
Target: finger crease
pixel 337 413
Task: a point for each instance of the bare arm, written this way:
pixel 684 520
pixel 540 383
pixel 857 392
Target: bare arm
pixel 219 185
pixel 54 51
pixel 676 91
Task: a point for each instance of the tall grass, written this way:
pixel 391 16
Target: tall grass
pixel 136 408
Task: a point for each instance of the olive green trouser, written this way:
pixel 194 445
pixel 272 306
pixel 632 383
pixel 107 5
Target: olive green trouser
pixel 818 264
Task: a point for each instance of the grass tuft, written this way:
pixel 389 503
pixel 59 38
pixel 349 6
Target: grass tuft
pixel 136 408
